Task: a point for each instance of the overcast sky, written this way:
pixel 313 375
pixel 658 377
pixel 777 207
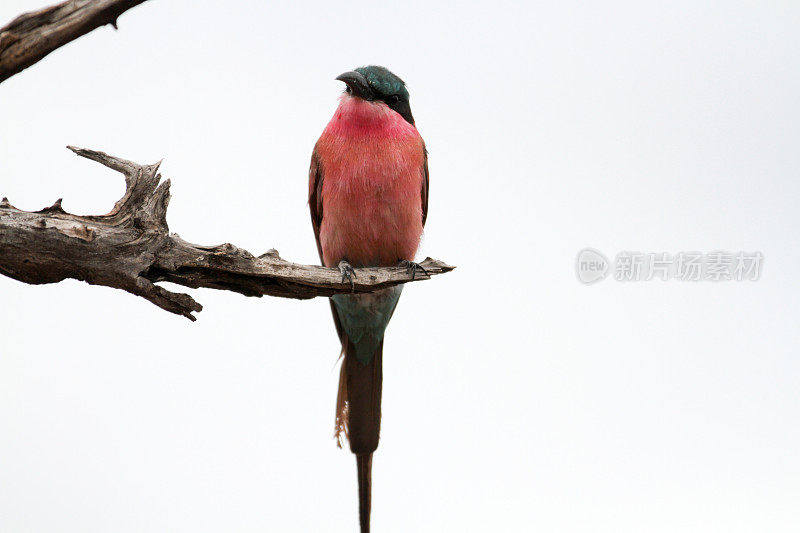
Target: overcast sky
pixel 515 397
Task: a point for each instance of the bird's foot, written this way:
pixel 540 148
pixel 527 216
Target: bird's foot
pixel 412 268
pixel 348 273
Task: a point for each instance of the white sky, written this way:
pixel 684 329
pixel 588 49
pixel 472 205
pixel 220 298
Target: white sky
pixel 515 398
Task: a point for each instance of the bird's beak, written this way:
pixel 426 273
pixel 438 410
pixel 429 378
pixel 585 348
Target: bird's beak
pixel 358 84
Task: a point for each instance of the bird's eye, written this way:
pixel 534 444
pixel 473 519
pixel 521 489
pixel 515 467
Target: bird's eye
pixel 347 89
pixel 394 99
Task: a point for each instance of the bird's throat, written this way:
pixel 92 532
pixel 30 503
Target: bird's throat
pixel 356 117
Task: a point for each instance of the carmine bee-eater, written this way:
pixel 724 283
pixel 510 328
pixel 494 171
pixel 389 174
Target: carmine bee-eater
pixel 368 193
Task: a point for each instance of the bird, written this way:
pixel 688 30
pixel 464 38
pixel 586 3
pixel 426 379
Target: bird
pixel 368 197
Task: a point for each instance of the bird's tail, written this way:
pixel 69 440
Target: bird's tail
pixel 358 417
pixel 364 465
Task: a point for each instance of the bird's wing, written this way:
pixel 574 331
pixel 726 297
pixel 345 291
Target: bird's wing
pixel 315 197
pixel 425 179
pixel 315 179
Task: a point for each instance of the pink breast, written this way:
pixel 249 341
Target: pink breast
pixel 372 164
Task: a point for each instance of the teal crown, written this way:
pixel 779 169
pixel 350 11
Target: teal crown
pixel 383 81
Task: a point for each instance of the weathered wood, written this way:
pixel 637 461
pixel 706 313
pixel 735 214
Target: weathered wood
pixel 31 36
pixel 131 248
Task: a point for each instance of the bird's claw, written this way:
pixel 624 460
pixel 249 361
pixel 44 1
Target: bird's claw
pixel 348 273
pixel 412 268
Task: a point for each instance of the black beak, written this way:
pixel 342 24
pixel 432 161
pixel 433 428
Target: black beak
pixel 357 84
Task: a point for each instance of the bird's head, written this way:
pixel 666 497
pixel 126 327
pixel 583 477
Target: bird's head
pixel 379 84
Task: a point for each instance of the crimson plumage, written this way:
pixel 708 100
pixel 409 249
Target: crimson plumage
pixel 373 163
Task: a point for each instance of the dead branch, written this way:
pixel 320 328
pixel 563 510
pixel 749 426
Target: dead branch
pixel 31 36
pixel 131 248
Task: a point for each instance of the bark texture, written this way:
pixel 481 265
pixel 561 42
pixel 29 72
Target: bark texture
pixel 131 248
pixel 31 36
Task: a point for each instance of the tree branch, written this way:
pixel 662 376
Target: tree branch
pixel 31 36
pixel 131 248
